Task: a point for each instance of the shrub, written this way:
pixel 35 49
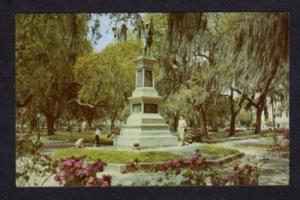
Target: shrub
pixel 26 146
pixel 32 168
pixel 197 172
pixel 286 133
pixel 269 123
pixel 74 171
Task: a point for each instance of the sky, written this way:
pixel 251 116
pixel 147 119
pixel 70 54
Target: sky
pixel 106 32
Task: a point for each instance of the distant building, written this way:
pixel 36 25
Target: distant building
pixel 277 112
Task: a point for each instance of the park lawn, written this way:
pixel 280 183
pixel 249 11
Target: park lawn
pixel 224 134
pixel 88 137
pixel 214 151
pixel 116 156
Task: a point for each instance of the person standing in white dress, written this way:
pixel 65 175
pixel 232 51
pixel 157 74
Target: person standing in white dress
pixel 181 129
pixel 97 136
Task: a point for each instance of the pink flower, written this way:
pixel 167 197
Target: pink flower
pixel 107 178
pixel 105 184
pixel 78 164
pixel 174 163
pixel 82 172
pixel 198 162
pixel 91 180
pixel 57 177
pixel 61 175
pixel 68 163
pixel 99 181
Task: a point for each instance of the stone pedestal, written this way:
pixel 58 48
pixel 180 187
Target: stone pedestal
pixel 145 126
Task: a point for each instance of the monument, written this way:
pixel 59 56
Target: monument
pixel 145 127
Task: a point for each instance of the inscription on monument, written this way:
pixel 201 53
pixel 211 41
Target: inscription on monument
pixel 150 108
pixel 140 78
pixel 136 107
pixel 148 78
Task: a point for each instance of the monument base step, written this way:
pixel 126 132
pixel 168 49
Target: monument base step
pixel 145 141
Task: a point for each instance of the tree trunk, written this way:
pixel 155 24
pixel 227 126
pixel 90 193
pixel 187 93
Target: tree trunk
pixel 69 126
pixel 22 123
pixel 50 125
pixel 258 119
pixel 33 124
pixel 203 129
pixel 232 114
pixel 79 126
pixel 266 114
pixel 89 124
pixel 273 117
pixel 175 123
pixel 112 123
pixel 232 125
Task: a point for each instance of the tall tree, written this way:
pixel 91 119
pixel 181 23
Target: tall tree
pixel 47 46
pixel 107 77
pixel 263 41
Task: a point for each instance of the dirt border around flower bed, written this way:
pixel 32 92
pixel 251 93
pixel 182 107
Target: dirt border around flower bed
pixel 149 166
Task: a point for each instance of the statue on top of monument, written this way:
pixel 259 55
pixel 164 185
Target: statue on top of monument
pixel 145 32
pixel 121 33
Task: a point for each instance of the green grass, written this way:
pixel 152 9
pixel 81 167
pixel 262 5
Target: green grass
pixel 224 134
pixel 213 151
pixel 114 156
pixel 88 137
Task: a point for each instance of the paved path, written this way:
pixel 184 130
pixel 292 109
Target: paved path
pixel 275 171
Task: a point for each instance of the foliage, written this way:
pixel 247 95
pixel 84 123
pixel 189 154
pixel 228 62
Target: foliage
pixel 213 151
pixel 280 150
pixel 172 108
pixel 197 172
pixel 247 174
pixel 245 118
pixel 224 134
pixel 32 168
pixel 46 48
pixel 27 146
pixel 265 51
pixel 107 77
pixel 131 166
pixel 75 172
pixel 279 147
pixel 87 136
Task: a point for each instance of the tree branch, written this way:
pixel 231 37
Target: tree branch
pixel 246 96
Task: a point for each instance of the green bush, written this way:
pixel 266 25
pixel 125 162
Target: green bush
pixel 245 118
pixel 88 137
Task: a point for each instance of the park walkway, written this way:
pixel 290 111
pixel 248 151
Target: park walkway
pixel 275 171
